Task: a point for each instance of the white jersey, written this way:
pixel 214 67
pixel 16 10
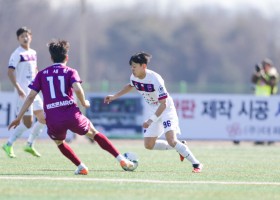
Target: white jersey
pixel 25 64
pixel 152 88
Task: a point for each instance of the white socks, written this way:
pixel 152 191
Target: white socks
pixel 82 166
pixel 37 129
pixel 180 147
pixel 162 145
pixel 120 157
pixel 16 134
pixel 186 152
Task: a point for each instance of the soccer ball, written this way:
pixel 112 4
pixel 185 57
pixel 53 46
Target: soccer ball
pixel 133 158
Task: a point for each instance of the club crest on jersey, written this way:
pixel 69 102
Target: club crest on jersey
pixel 150 87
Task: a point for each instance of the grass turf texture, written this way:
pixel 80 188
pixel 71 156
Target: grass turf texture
pixel 230 172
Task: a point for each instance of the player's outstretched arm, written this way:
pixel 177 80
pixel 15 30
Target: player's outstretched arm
pixel 13 79
pixel 126 89
pixel 80 94
pixel 29 100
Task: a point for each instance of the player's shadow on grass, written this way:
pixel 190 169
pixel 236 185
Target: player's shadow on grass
pixel 135 171
pixel 37 171
pixel 105 170
pixel 65 170
pixel 21 174
pixel 72 171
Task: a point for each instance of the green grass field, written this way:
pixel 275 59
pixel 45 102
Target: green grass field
pixel 230 172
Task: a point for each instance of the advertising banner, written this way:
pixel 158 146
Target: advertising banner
pixel 122 118
pixel 7 112
pixel 228 117
pixel 201 116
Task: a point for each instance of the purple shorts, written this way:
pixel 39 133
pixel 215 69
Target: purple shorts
pixel 77 123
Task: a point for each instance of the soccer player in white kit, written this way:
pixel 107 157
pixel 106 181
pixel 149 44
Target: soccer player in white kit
pixel 162 117
pixel 21 71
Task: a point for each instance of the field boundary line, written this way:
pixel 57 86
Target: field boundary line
pixel 135 180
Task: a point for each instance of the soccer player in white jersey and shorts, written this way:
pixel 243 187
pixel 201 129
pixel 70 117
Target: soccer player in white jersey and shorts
pixel 162 117
pixel 21 71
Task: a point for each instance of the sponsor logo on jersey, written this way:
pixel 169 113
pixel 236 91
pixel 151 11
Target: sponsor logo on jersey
pixel 26 57
pixel 143 86
pixel 59 104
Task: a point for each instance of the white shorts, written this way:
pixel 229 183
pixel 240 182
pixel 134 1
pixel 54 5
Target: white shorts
pixel 168 121
pixel 36 105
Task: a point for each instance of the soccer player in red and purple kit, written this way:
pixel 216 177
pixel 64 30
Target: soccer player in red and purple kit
pixel 57 84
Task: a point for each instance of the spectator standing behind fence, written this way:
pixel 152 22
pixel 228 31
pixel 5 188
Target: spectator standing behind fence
pixel 265 79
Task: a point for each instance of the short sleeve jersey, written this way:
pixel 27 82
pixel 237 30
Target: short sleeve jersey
pixel 55 83
pixel 152 88
pixel 25 64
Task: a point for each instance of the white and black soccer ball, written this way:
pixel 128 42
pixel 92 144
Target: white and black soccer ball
pixel 133 158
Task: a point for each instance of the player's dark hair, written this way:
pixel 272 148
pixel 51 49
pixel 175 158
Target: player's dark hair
pixel 140 58
pixel 58 50
pixel 23 29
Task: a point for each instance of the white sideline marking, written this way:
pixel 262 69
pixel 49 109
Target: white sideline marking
pixel 135 180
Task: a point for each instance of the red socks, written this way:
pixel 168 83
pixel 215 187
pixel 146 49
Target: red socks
pixel 69 153
pixel 101 139
pixel 106 144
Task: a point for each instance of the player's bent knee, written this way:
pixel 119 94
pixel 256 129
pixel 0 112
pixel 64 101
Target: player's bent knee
pixel 28 125
pixel 42 121
pixel 58 142
pixel 90 135
pixel 40 116
pixel 172 143
pixel 149 146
